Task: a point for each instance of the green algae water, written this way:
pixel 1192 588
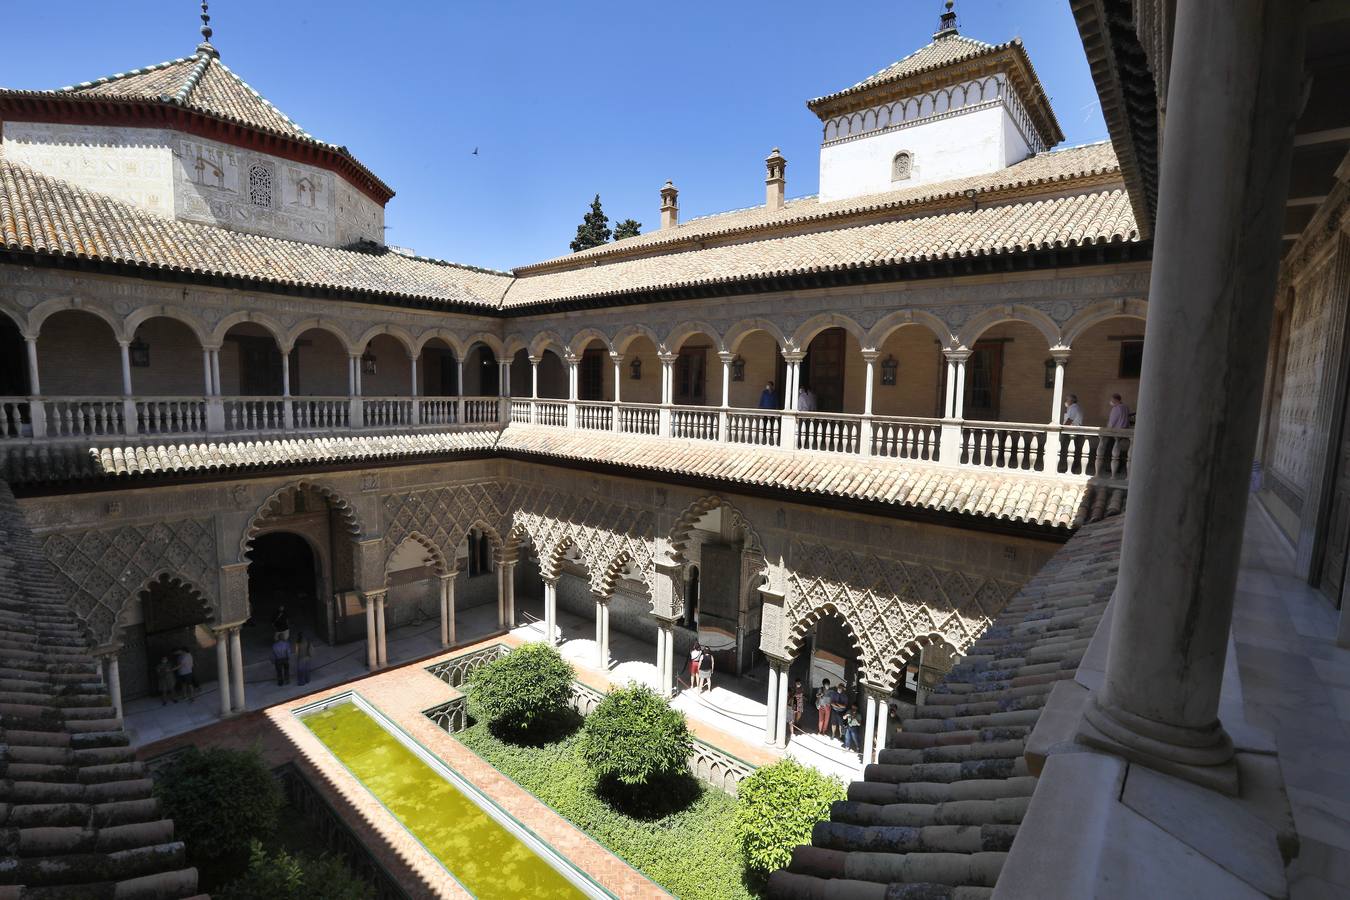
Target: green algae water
pixel 488 860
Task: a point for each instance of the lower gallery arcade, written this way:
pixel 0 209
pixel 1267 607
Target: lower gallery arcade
pixel 777 591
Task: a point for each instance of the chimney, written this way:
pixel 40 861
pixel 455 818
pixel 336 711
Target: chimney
pixel 775 182
pixel 670 210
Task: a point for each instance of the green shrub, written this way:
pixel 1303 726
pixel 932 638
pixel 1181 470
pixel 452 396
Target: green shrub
pixel 286 877
pixel 692 852
pixel 527 688
pixel 634 737
pixel 220 801
pixel 776 808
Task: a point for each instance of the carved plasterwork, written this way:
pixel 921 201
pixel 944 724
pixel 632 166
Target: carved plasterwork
pixel 891 606
pixel 103 570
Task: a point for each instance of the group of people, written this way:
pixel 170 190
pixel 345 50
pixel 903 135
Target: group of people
pixel 700 668
pixel 174 677
pixel 1118 416
pixel 806 398
pixel 836 715
pixel 285 647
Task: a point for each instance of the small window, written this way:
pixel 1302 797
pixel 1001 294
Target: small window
pixel 1131 358
pixel 902 166
pixel 259 185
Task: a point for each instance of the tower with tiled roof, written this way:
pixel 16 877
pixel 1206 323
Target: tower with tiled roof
pixel 191 140
pixel 955 107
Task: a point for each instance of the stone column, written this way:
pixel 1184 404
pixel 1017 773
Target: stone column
pixel 208 387
pixel 665 654
pixel 113 679
pixel 869 726
pixel 723 418
pixel 573 383
pixel 865 428
pixel 459 377
pixel 534 376
pixel 372 654
pixel 506 594
pixel 125 348
pixel 667 391
pixel 883 716
pixel 616 421
pixel 1053 438
pixel 215 372
pixel 550 610
pixel 949 440
pixel 223 672
pixel 34 385
pixel 1232 104
pixel 780 720
pixel 237 670
pixel 382 645
pixel 447 609
pixel 602 632
pixel 355 412
pixel 503 378
pixel 771 711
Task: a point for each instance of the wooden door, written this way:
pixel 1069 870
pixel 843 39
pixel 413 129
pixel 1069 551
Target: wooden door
pixel 825 369
pixel 260 367
pixel 592 374
pixel 691 377
pixel 984 381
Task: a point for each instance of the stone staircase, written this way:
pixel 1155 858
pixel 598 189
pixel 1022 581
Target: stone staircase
pixel 77 817
pixel 935 816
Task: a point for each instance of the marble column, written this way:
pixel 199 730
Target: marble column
pixel 382 644
pixel 206 372
pixel 506 595
pixel 602 632
pixel 1233 99
pixel 771 711
pixel 550 611
pixel 781 719
pixel 534 377
pixel 125 348
pixel 223 672
pixel 869 727
pixel 1061 357
pixel 883 717
pixel 113 678
pixel 447 609
pixel 372 654
pixel 34 386
pixel 237 670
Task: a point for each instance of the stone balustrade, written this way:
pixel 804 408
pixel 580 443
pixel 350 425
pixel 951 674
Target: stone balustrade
pixel 1008 446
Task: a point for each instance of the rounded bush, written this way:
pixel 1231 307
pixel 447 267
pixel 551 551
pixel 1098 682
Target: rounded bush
pixel 528 687
pixel 776 808
pixel 220 801
pixel 634 737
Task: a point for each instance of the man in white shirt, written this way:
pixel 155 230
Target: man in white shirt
pixel 1119 416
pixel 1073 413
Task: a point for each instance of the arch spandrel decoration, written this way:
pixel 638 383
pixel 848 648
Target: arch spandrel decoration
pixel 102 570
pixel 889 604
pixel 434 554
pixel 602 531
pixel 264 511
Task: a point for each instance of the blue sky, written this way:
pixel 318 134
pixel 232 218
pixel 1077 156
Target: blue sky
pixel 562 99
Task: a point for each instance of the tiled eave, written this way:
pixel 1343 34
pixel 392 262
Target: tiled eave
pixel 1020 503
pixel 78 109
pixel 1010 57
pixel 1129 100
pixel 1104 253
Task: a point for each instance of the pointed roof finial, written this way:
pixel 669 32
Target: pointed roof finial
pixel 205 48
pixel 947 21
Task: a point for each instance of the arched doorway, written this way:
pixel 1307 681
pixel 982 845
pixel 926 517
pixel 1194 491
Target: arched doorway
pixel 283 571
pixel 828 653
pixel 173 618
pixel 15 416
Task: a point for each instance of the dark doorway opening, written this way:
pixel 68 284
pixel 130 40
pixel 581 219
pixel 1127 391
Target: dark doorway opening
pixel 283 570
pixel 691 377
pixel 823 369
pixel 174 618
pixel 488 376
pixel 13 360
pixel 592 374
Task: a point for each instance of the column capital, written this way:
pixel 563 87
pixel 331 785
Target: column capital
pixel 667 358
pixel 778 661
pixel 1060 354
pixel 616 357
pixel 871 355
pixel 880 694
pixel 664 621
pixel 794 356
pixel 571 359
pixel 447 576
pixel 957 355
pixel 535 360
pixel 105 651
pixel 374 596
pixel 727 356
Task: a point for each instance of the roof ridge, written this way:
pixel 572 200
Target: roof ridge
pixel 268 103
pixel 194 78
pixel 108 79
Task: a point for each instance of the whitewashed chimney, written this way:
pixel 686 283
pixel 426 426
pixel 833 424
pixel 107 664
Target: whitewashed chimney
pixel 670 208
pixel 775 182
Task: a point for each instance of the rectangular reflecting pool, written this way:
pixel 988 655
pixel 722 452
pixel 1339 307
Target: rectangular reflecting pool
pixel 490 854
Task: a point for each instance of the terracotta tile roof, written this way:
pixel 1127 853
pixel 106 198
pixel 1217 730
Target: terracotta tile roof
pixel 940 52
pixel 1028 498
pixel 76 809
pixel 1097 217
pixel 198 82
pixel 936 815
pixel 1071 168
pixel 46 215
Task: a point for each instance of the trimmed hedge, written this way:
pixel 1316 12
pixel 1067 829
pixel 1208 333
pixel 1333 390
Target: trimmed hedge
pixel 528 687
pixel 634 737
pixel 776 808
pixel 692 852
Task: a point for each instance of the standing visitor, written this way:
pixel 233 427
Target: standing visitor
pixel 281 658
pixel 768 399
pixel 695 655
pixel 852 729
pixel 281 625
pixel 838 706
pixel 164 680
pixel 1073 413
pixel 186 681
pixel 1119 416
pixel 798 704
pixel 823 707
pixel 705 670
pixel 301 648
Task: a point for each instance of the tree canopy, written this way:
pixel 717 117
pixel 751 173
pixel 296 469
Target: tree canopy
pixel 627 228
pixel 594 228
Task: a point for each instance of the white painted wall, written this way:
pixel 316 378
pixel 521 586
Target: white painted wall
pixel 961 144
pixel 197 180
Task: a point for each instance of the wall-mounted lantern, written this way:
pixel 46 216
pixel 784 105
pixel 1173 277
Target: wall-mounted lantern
pixel 139 354
pixel 635 369
pixel 1049 374
pixel 368 364
pixel 889 365
pixel 738 368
